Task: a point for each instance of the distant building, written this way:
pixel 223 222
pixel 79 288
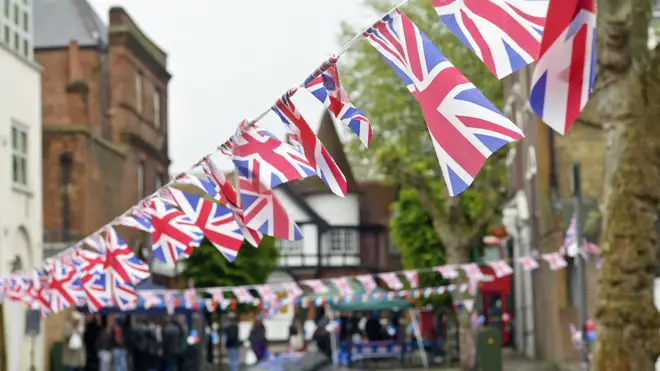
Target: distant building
pixel 105 122
pixel 20 171
pixel 537 216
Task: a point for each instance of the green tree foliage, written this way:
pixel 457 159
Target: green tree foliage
pixel 208 268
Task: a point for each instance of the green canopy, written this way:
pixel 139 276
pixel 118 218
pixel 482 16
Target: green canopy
pixel 361 304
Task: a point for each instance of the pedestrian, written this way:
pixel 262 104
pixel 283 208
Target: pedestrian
pixel 103 346
pixel 232 342
pixel 93 330
pixel 322 338
pixel 139 345
pixel 73 351
pixel 119 352
pixel 296 336
pixel 172 345
pixel 258 340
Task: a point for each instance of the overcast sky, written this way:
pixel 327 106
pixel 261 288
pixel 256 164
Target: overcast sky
pixel 232 59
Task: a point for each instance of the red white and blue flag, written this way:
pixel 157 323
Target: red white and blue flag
pixel 504 34
pixel 124 296
pixel 227 196
pixel 64 286
pixel 327 89
pixel 202 184
pixel 121 263
pixel 257 154
pixel 175 234
pixel 313 150
pixel 136 218
pixel 215 221
pixel 566 66
pixel 465 127
pixel 263 211
pixel 98 290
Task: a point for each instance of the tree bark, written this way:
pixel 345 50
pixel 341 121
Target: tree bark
pixel 627 93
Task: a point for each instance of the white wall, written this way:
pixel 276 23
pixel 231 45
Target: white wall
pixel 336 210
pixel 21 221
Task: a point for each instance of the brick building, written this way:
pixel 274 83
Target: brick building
pixel 104 121
pixel 538 215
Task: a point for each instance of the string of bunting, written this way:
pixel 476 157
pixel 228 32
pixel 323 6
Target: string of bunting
pixel 465 128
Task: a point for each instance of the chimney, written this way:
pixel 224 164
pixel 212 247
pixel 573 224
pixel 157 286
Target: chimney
pixel 76 88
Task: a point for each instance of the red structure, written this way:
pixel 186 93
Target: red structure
pixel 493 297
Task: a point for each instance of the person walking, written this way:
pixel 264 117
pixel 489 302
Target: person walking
pixel 296 336
pixel 322 338
pixel 139 345
pixel 73 351
pixel 232 342
pixel 119 352
pixel 258 340
pixel 103 346
pixel 172 345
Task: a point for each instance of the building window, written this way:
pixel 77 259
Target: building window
pixel 290 247
pixel 343 241
pixel 26 48
pixel 6 8
pixel 138 91
pixel 140 180
pixel 17 16
pixel 17 41
pixel 157 116
pixel 7 35
pixel 26 22
pixel 19 157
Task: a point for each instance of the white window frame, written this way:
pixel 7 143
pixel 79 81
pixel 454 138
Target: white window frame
pixel 139 93
pixel 140 181
pixel 288 248
pixel 343 241
pixel 16 32
pixel 157 112
pixel 20 175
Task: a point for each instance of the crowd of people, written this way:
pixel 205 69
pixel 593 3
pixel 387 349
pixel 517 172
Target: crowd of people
pixel 95 344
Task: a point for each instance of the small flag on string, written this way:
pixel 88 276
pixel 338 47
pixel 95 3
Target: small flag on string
pixel 326 88
pixel 293 290
pixel 501 268
pixel 555 261
pixel 447 271
pixel 528 263
pixel 317 286
pixel 391 280
pixel 472 270
pixel 367 281
pixel 343 285
pixel 412 277
pixel 243 295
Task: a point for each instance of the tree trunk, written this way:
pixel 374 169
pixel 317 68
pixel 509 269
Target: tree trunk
pixel 457 255
pixel 627 95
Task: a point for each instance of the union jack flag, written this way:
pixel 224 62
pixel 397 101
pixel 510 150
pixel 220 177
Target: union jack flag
pixel 215 221
pixel 465 127
pixel 174 233
pixel 294 141
pixel 293 290
pixel 259 155
pixel 447 271
pixel 121 263
pixel 243 295
pixel 39 293
pixel 501 268
pixel 313 150
pixel 343 285
pixel 217 294
pixel 64 286
pixel 528 263
pixel 267 294
pixel 504 34
pixel 225 191
pixel 317 286
pixel 97 289
pixel 566 66
pixel 367 281
pixel 151 299
pixel 555 261
pixel 96 242
pixel 190 298
pixel 137 219
pixel 204 185
pixel 17 287
pixel 569 247
pixel 412 277
pixel 170 302
pixel 472 270
pixel 263 211
pixel 326 88
pixel 391 280
pixel 227 195
pixel 124 296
